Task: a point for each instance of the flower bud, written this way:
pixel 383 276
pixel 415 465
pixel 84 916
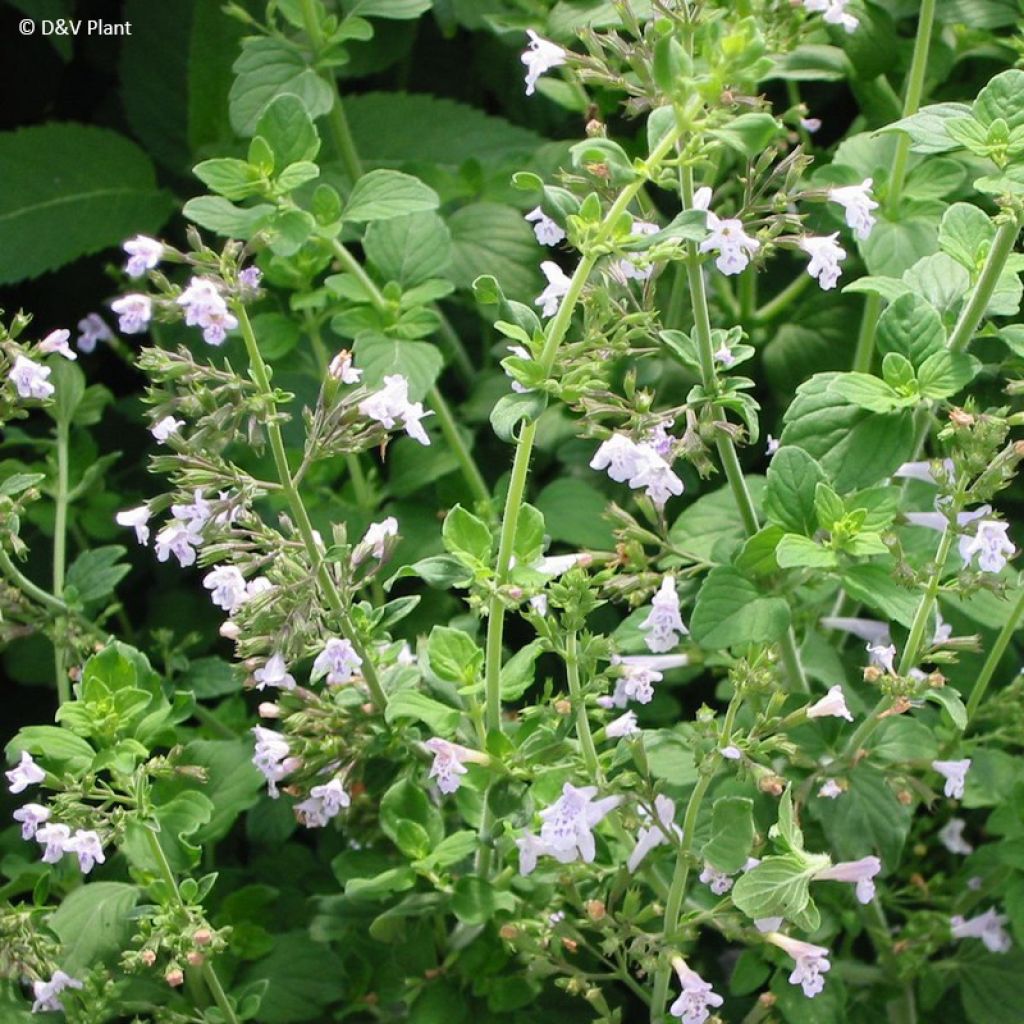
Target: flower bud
pixel 509 932
pixel 175 977
pixel 959 418
pixel 595 909
pixel 872 674
pixel 202 937
pixel 268 709
pixel 230 630
pixel 195 958
pixel 905 797
pixel 148 957
pixel 571 945
pixel 563 707
pixel 772 785
pixel 291 764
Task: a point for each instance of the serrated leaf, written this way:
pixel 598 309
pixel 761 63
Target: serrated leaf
pixel 379 356
pixel 732 833
pixel 442 720
pixel 93 923
pixel 789 491
pixel 383 194
pixel 731 612
pixel 411 249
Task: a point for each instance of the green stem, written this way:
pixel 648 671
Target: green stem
pixel 994 657
pixel 972 314
pixel 470 471
pixel 22 582
pixel 209 974
pixel 773 308
pixel 60 540
pixel 865 351
pixel 298 509
pixel 583 734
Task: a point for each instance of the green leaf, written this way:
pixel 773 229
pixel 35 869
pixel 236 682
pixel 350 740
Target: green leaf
pixel 855 447
pixel 454 656
pixel 69 383
pixel 453 849
pixel 927 129
pixel 574 511
pixel 406 802
pixel 732 833
pixel 1002 97
pixel 491 239
pixel 267 68
pixel 669 757
pixel 511 410
pixel 71 190
pixel 96 571
pixel 60 749
pixel 528 542
pixel 874 586
pixel 796 551
pixel 442 720
pixel 476 901
pixel 517 674
pixel 93 923
pixel 232 783
pixel 866 392
pixel 896 245
pixel 911 327
pixel 991 984
pixel 383 194
pixel 949 700
pixel 945 373
pixel 731 612
pixel 233 179
pixel 411 249
pixel 935 179
pixel 467 535
pixel 940 281
pixel 789 491
pixel 288 129
pixel 397 9
pixel 777 887
pixel 748 134
pixel 712 526
pixel 217 214
pixel 379 356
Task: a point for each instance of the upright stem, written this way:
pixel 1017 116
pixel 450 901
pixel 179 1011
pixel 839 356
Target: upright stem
pixel 301 516
pixel 995 655
pixel 583 734
pixel 778 305
pixel 209 973
pixel 60 539
pixel 911 101
pixel 470 471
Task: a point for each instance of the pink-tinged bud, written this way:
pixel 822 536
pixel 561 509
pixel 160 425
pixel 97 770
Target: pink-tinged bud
pixel 202 937
pixel 515 593
pixel 584 558
pixel 230 630
pixel 268 709
pixel 563 707
pixel 175 977
pixel 195 959
pixel 148 957
pixel 291 764
pixel 252 664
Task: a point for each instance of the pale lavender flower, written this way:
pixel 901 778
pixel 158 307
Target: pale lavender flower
pixel 270 757
pixel 723 354
pixel 717 881
pixel 955 773
pixel 825 253
pixel 391 404
pixel 92 329
pixel 24 774
pixel 639 465
pixel 164 427
pixel 323 803
pixel 249 280
pixel 830 790
pixel 227 587
pixel 882 656
pixel 274 673
pixel 923 471
pixel 726 237
pixel 988 927
pixel 450 761
pixel 664 626
pixel 144 253
pixel 861 872
pixel 951 835
pixel 692 1004
pixel 31 817
pixel 30 379
pixel 871 630
pixel 548 232
pixel 541 55
pixel 375 540
pixel 811 125
pixel 338 661
pixel 57 341
pixel 661 440
pixel 943 630
pixel 180 539
pixel 835 12
pixel 137 518
pixel 658 662
pixel 54 839
pixel 637 684
pixel 134 312
pixel 857 204
pixel 832 705
pixel 768 924
pixel 811 962
pixel 205 307
pixel 772 446
pixel 539 604
pixel 731 753
pixel 657 832
pixel 557 287
pixel 342 368
pixel 46 993
pixel 990 543
pixel 531 848
pixel 630 268
pixel 624 725
pixel 86 844
pixel 568 823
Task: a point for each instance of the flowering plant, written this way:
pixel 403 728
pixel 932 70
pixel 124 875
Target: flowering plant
pixel 376 723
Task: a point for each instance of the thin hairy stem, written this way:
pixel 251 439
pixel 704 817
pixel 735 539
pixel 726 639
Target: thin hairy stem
pixel 60 541
pixel 995 655
pixel 583 734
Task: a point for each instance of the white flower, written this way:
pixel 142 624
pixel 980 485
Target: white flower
pixel 540 55
pixel 274 673
pixel 943 630
pixel 91 329
pixel 57 341
pixel 639 465
pixel 341 368
pixel 731 753
pixel 862 872
pixel 990 544
pixel 227 587
pixel 624 725
pixel 724 355
pixel 256 586
pixel 548 232
pixel 180 539
pixel 87 845
pixel 375 540
pixel 658 662
pixel 391 404
pixel 657 832
pixel 951 835
pixel 271 753
pixel 768 924
pixel 923 470
pixel 539 604
pixel 338 661
pixel 663 625
pixel 691 1006
pixel 882 656
pixel 988 927
pixel 45 993
pixel 726 237
pixel 871 630
pixel 954 772
pixel 54 839
pixel 558 285
pixel 811 125
pixel 835 12
pixel 31 817
pixel 773 446
pixel 30 378
pixel 133 312
pixel 450 762
pixel 825 255
pixel 832 705
pixel 205 307
pixel 163 428
pixel 630 268
pixel 137 518
pixel 830 790
pixel 811 962
pixel 857 203
pixel 323 803
pixel 717 881
pixel 566 833
pixel 144 254
pixel 530 849
pixel 24 774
